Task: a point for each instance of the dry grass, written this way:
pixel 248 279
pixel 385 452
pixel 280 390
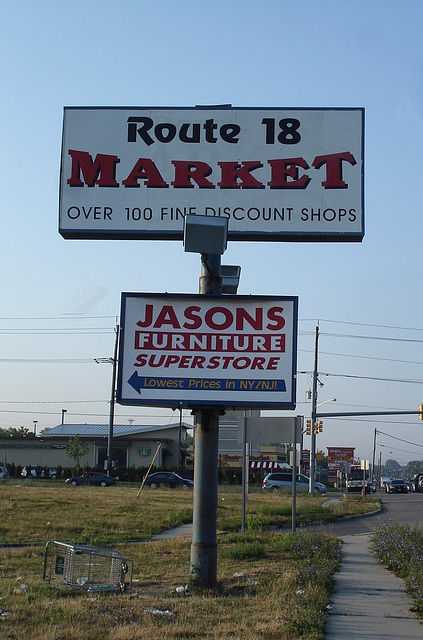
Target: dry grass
pixel 255 598
pixel 266 589
pixel 35 513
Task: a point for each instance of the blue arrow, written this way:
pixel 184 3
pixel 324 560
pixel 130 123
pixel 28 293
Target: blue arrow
pixel 134 381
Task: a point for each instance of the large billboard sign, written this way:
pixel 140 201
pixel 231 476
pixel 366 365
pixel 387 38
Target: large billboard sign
pixel 275 173
pixel 181 350
pixel 340 459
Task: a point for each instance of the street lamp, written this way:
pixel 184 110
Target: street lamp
pixel 35 422
pixel 63 415
pixel 321 403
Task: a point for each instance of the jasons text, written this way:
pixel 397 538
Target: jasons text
pixel 189 333
pixel 219 317
pixel 279 173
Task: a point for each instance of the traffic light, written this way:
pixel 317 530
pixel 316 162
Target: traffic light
pixel 318 426
pixel 308 428
pixel 421 411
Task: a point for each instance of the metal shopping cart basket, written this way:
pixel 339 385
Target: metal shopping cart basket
pixel 86 568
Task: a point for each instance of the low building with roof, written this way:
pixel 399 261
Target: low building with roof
pixel 133 446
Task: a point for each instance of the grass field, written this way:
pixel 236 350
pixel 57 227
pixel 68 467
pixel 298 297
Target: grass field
pixel 270 585
pixel 37 511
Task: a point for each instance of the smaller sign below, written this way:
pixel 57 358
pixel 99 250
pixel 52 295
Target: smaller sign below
pixel 183 350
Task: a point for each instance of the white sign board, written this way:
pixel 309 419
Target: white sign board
pixel 275 173
pixel 193 350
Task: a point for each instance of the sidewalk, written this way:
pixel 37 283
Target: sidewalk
pixel 369 601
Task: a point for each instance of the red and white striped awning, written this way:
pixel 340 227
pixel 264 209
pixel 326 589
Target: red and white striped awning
pixel 254 464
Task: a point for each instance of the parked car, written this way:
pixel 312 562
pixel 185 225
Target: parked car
pixel 167 479
pixel 4 474
pixel 38 472
pixel 281 480
pixel 93 478
pixel 397 486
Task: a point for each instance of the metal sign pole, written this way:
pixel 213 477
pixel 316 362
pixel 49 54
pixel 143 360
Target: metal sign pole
pixel 294 475
pixel 244 473
pixel 203 562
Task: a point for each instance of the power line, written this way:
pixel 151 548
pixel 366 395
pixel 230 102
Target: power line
pixel 50 360
pixel 66 316
pixel 50 401
pixel 376 378
pixel 414 444
pixel 361 337
pixel 396 449
pixel 353 355
pixel 54 332
pixel 357 377
pixel 371 421
pixel 362 324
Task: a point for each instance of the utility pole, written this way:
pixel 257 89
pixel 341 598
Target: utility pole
pixel 313 412
pixel 112 406
pixel 374 454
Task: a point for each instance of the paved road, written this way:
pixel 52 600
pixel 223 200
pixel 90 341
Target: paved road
pixel 406 508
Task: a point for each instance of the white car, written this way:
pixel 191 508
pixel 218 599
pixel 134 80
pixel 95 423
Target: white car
pixel 279 480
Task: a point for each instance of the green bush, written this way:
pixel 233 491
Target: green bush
pixel 244 550
pixel 400 549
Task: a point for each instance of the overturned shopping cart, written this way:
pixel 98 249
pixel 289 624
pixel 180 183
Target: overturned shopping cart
pixel 78 566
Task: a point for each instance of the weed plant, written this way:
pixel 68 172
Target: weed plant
pixel 400 548
pixel 271 586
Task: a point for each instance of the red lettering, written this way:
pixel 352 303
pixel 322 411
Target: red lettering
pixel 213 362
pixel 148 316
pixel 238 176
pixel 284 174
pixel 224 324
pixel 186 172
pixel 243 316
pixel 171 360
pixel 276 320
pixel 145 169
pixel 198 362
pixel 185 362
pixel 191 313
pixel 168 316
pixel 258 363
pixel 273 364
pixel 333 162
pixel 101 171
pixel 141 360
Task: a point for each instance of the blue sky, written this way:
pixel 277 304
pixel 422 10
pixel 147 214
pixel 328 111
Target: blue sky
pixel 166 53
